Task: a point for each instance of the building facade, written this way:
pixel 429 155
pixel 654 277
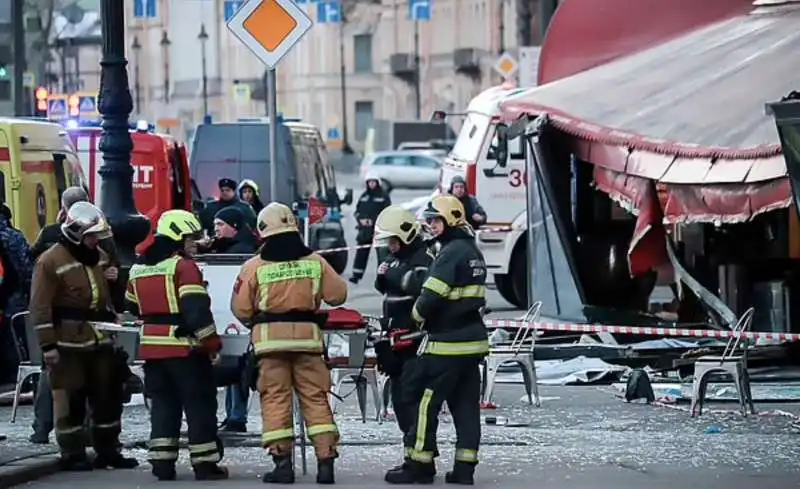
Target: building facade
pixel 168 58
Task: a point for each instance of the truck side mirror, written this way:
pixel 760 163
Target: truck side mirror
pixel 348 196
pixel 438 116
pixel 501 151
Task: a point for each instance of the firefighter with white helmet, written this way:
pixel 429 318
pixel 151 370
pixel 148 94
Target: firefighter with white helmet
pixel 69 295
pixel 277 295
pixel 374 200
pixel 179 344
pixel 447 370
pixel 400 279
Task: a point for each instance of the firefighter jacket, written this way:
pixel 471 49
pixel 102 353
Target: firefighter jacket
pixel 278 294
pixel 68 294
pixel 402 282
pixel 369 206
pixel 452 297
pixel 174 307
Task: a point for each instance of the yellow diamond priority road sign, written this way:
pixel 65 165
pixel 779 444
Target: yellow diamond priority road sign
pixel 270 28
pixel 506 65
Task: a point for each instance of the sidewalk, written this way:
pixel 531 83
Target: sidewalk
pixel 21 461
pixel 581 438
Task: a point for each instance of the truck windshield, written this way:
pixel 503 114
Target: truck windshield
pixel 470 138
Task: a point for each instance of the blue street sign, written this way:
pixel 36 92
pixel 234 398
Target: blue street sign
pixel 302 2
pixel 87 104
pixel 57 107
pixel 231 6
pixel 144 9
pixel 419 10
pixel 329 12
pixel 333 134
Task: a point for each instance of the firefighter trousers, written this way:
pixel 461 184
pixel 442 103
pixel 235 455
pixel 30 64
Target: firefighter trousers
pixel 439 379
pixel 404 399
pixel 87 377
pixel 280 376
pixel 175 386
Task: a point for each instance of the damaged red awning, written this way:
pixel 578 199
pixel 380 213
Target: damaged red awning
pixel 688 114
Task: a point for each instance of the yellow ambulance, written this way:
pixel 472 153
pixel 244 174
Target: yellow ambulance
pixel 37 163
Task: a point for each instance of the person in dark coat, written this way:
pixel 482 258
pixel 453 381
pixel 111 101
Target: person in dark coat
pixel 234 236
pixel 476 216
pixel 371 203
pixel 227 198
pixel 248 192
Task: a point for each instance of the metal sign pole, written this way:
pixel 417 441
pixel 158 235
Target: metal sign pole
pixel 306 227
pixel 272 101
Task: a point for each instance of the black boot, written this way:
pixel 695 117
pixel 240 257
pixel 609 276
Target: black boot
pixel 74 463
pixel 325 473
pixel 411 473
pixel 163 470
pixel 209 471
pixel 461 474
pixel 114 460
pixel 283 473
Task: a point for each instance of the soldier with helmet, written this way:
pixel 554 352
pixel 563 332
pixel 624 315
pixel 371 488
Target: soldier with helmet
pixel 69 294
pixel 277 295
pixel 179 344
pixel 400 280
pixel 447 370
pixel 374 200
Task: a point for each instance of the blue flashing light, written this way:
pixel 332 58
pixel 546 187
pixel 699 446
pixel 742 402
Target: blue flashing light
pixel 91 123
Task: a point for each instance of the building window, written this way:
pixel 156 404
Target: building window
pixel 362 49
pixel 364 118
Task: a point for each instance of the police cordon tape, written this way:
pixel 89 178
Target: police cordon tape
pixel 640 330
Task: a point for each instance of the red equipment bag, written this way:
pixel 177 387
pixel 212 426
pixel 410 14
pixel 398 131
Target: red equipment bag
pixel 343 318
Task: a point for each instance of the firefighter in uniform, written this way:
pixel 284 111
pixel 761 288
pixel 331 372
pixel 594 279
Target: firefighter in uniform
pixel 69 293
pixel 400 279
pixel 374 200
pixel 278 294
pixel 178 343
pixel 449 311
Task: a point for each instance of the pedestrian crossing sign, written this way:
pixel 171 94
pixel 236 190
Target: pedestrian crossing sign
pixel 87 104
pixel 57 107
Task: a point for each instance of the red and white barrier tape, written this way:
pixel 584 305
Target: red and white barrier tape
pixel 641 330
pixel 348 248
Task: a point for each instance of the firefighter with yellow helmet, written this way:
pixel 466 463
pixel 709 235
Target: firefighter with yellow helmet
pixel 447 370
pixel 179 344
pixel 278 294
pixel 69 295
pixel 400 279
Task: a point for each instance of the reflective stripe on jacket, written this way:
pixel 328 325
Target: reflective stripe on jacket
pixel 66 296
pixel 160 292
pixel 292 288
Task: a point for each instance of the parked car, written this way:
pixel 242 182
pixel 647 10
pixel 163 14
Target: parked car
pixel 403 168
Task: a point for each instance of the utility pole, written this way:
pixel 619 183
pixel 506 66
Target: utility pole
pixel 417 73
pixel 546 10
pixel 21 105
pixel 502 28
pixel 346 149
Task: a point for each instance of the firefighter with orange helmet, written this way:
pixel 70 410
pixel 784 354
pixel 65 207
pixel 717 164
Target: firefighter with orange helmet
pixel 179 344
pixel 278 294
pixel 69 296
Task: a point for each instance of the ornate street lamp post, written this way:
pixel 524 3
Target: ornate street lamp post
pixel 203 37
pixel 115 105
pixel 165 44
pixel 137 89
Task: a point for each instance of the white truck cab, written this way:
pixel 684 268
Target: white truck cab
pixel 501 191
